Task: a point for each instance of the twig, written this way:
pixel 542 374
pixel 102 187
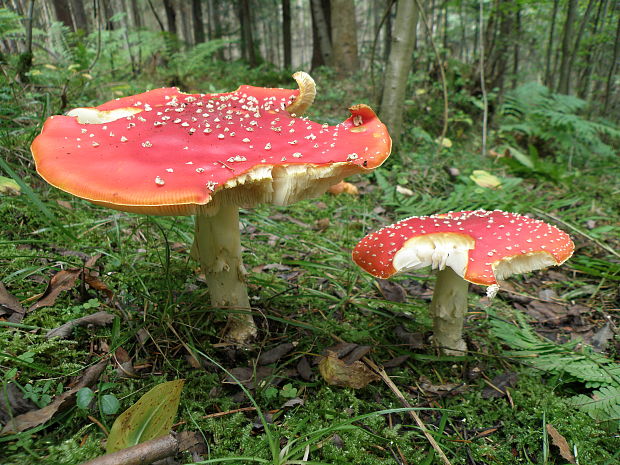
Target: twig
pixel 99 424
pixel 149 451
pixel 388 381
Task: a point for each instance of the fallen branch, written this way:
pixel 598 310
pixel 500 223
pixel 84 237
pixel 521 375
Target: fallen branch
pixel 150 451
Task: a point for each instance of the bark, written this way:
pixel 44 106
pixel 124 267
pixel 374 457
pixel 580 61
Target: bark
pixel 150 451
pixel 134 10
pixel 321 33
pixel 582 28
pixel 584 82
pixel 198 22
pixel 571 13
pixel 548 75
pixel 248 46
pixel 286 33
pixel 612 68
pixel 344 38
pixel 399 65
pixel 517 47
pixel 448 309
pixel 79 14
pixel 63 13
pixel 171 17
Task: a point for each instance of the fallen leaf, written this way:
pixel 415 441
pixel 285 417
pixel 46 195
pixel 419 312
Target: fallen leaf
pixel 485 179
pixel 8 186
pixel 445 142
pixel 356 354
pixel 9 305
pixel 413 340
pixel 391 290
pixel 125 367
pixel 561 443
pixel 500 383
pixel 61 281
pixel 293 402
pixel 338 373
pixel 97 319
pixel 404 191
pixel 275 354
pixel 65 400
pixel 96 283
pixel 149 418
pixel 396 361
pixel 65 204
pixel 247 376
pixel 601 337
pixel 322 224
pixel 304 369
pixel 12 403
pixel 343 187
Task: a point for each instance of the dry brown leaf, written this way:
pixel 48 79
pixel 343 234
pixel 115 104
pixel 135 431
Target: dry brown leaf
pixel 275 354
pixel 338 373
pixel 561 443
pixel 62 402
pixel 97 319
pixel 61 281
pixel 10 305
pixel 12 403
pixel 392 291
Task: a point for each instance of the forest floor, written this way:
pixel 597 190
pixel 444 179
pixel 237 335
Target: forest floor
pixel 502 403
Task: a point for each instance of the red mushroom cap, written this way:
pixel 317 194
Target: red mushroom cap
pixel 481 246
pixel 166 152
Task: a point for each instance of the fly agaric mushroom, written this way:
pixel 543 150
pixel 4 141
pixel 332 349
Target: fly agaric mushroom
pixel 165 152
pixel 479 247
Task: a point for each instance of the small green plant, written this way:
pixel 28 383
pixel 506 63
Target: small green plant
pixel 108 404
pixel 574 362
pixel 554 124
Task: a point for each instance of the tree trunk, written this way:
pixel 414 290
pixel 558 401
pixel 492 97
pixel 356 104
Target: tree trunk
pixel 517 45
pixel 286 33
pixel 63 13
pixel 612 69
pixel 564 84
pixel 134 10
pixel 248 46
pixel 197 22
pixel 321 33
pixel 549 82
pixel 582 28
pixel 81 21
pixel 344 38
pixel 398 66
pixel 584 81
pixel 171 17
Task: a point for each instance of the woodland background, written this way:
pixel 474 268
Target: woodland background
pixel 492 104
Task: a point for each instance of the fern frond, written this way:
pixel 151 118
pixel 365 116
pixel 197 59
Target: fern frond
pixel 603 404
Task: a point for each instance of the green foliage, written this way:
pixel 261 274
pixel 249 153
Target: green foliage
pixel 573 362
pixel 10 23
pixel 554 124
pixel 149 418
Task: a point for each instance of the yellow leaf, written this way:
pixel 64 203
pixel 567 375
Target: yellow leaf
pixel 338 373
pixel 8 186
pixel 48 66
pixel 420 91
pixel 485 179
pixel 445 142
pixel 149 418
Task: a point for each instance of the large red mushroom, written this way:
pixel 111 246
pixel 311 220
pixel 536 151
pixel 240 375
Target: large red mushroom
pixel 165 152
pixel 480 247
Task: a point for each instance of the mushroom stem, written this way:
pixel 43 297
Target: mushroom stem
pixel 217 244
pixel 448 309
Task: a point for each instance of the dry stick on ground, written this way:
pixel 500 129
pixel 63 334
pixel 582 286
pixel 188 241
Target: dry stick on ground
pixel 149 451
pixel 388 381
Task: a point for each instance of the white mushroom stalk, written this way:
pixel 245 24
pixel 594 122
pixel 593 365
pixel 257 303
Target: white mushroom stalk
pixel 165 152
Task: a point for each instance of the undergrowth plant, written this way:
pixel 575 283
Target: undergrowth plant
pixel 539 121
pixel 573 362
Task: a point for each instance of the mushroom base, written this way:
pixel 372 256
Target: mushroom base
pixel 448 309
pixel 217 246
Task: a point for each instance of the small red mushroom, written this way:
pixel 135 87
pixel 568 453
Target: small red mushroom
pixel 479 247
pixel 165 152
